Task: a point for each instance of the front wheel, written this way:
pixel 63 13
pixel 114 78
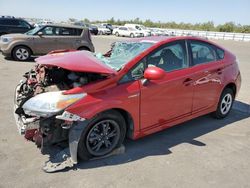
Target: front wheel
pixel 132 35
pixel 225 104
pixel 117 34
pixel 105 133
pixel 21 53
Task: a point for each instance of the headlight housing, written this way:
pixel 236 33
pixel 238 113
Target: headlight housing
pixel 50 103
pixel 6 39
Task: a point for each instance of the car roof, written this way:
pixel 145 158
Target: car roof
pixel 7 18
pixel 65 25
pixel 157 39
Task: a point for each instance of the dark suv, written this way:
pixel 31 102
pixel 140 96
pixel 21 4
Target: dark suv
pixel 13 25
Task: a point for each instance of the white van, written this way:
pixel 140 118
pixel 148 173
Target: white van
pixel 142 29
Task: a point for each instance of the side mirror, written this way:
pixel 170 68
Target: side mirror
pixel 154 73
pixel 40 34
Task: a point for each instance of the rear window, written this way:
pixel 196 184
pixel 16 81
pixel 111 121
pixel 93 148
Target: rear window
pixel 220 53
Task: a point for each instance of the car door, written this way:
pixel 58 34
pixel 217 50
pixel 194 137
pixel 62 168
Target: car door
pixel 46 42
pixel 169 98
pixel 208 74
pixel 121 31
pixel 126 32
pixel 68 38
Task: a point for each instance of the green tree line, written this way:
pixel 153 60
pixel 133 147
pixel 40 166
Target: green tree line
pixel 207 26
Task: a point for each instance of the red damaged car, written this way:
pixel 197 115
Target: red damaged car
pixel 141 86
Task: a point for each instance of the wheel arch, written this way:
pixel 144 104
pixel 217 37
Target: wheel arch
pixel 128 120
pixel 232 86
pixel 12 50
pixel 85 47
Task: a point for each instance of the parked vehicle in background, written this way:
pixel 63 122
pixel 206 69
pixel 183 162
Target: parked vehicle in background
pixel 158 32
pixel 108 26
pixel 42 40
pixel 127 32
pixel 142 29
pixel 92 28
pixel 42 23
pixel 102 30
pixel 13 25
pixel 139 87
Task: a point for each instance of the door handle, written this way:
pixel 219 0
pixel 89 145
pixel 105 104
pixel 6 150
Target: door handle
pixel 187 81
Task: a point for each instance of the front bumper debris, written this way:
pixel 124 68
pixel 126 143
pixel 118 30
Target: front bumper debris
pixel 62 160
pixel 24 124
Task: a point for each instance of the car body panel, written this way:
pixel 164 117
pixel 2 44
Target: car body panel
pixel 162 96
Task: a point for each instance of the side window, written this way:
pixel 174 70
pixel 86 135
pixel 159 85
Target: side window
pixel 135 73
pixel 169 57
pixel 49 31
pixel 5 22
pixel 24 24
pixel 78 32
pixel 11 22
pixel 202 52
pixel 66 31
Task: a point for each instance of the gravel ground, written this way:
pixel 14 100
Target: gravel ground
pixel 203 152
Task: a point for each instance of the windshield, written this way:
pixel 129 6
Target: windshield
pixel 122 53
pixel 33 31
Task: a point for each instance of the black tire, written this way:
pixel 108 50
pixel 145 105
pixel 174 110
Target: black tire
pixel 83 48
pixel 21 53
pixel 132 35
pixel 101 33
pixel 85 149
pixel 117 34
pixel 224 108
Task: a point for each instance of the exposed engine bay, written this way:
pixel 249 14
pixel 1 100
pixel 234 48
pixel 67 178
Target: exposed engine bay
pixel 47 129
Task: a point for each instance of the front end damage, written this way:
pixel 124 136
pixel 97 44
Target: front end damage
pixel 40 110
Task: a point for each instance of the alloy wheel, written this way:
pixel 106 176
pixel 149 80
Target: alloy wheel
pixel 226 103
pixel 22 54
pixel 103 137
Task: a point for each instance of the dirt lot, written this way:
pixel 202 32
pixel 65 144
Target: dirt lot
pixel 200 153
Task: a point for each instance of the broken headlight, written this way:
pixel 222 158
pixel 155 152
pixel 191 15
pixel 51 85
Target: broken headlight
pixel 50 103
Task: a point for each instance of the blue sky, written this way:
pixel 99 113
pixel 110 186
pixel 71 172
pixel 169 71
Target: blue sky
pixel 192 11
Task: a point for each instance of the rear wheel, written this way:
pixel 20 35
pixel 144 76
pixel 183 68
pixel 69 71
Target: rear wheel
pixel 21 53
pixel 132 35
pixel 105 133
pixel 101 32
pixel 117 34
pixel 225 104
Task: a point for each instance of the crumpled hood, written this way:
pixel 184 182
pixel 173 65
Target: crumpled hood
pixel 78 61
